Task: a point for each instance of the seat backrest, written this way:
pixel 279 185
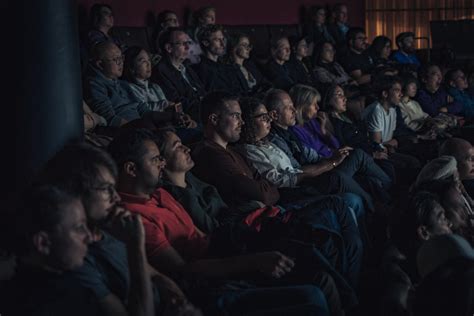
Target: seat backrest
pixel 132 36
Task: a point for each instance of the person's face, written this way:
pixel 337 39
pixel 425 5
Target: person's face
pixel 439 224
pixel 112 63
pixel 217 44
pixel 466 165
pixel 178 49
pixel 150 169
pixel 102 198
pixel 411 90
pixel 341 15
pixel 460 80
pixel 177 155
pixel 320 17
pixel 395 94
pixel 311 110
pixel 286 113
pixel 262 122
pixel 229 122
pixel 282 51
pixel 208 18
pixel 360 42
pixel 171 20
pixel 339 100
pixel 142 66
pixel 107 17
pixel 434 77
pixel 327 53
pixel 243 48
pixel 386 50
pixel 302 49
pixel 408 45
pixel 69 239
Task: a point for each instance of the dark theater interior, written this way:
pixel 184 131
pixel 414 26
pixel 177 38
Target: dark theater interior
pixel 194 158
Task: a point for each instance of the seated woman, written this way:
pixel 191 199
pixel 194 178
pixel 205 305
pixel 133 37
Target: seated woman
pixel 414 116
pixel 137 72
pixel 380 51
pixel 250 79
pixel 328 72
pixel 316 30
pixel 298 65
pixel 350 132
pixel 313 130
pixel 101 20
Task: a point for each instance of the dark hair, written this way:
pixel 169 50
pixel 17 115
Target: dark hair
pixel 352 33
pixel 95 14
pixel 75 168
pixel 401 37
pixel 160 138
pixel 233 40
pixel 294 41
pixel 42 209
pixel 318 50
pixel 166 35
pixel 407 80
pixel 450 75
pixel 385 83
pixel 214 103
pixel 425 69
pixel 417 212
pixel 272 99
pixel 328 96
pixel 130 57
pixel 128 145
pixel 378 44
pixel 248 106
pixel 205 33
pixel 160 18
pixel 338 6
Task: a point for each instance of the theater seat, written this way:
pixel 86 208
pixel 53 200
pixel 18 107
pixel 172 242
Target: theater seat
pixel 131 36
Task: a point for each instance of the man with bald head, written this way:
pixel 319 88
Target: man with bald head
pixel 463 152
pixel 106 94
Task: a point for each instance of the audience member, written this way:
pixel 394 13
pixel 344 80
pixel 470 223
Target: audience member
pixel 357 62
pixel 458 88
pixel 101 21
pixel 276 69
pixel 406 50
pixel 316 30
pixel 339 27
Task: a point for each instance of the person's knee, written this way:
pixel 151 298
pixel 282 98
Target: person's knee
pixel 356 203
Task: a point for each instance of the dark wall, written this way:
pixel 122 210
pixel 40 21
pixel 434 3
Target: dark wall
pixel 233 12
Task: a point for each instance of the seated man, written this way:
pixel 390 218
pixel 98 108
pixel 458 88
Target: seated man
pixel 406 50
pixel 178 81
pixel 381 120
pixel 458 89
pixel 50 237
pixel 115 270
pixel 276 70
pixel 176 245
pixel 463 152
pixel 357 61
pixel 212 72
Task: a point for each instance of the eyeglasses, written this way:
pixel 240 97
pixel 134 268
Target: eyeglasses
pixel 106 191
pixel 185 43
pixel 246 46
pixel 117 60
pixel 264 117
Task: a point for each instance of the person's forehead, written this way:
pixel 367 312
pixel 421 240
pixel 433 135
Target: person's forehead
pixel 217 33
pixel 179 35
pixel 232 106
pixel 283 42
pixel 113 51
pixel 104 175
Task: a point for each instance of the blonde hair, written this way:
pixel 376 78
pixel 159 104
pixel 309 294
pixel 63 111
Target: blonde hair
pixel 303 96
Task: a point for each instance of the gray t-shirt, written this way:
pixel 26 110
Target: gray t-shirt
pixel 379 120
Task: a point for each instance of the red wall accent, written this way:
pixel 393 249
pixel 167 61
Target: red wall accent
pixel 233 12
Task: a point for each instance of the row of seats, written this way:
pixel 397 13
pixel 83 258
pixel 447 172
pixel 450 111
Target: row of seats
pixel 260 35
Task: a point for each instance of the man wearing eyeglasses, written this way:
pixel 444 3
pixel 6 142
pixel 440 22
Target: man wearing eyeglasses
pixel 106 94
pixel 357 62
pixel 212 72
pixel 178 81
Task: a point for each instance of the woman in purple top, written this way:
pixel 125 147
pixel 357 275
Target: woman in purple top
pixel 311 125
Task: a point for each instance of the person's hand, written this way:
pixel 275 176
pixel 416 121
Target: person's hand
pixel 273 264
pixel 430 135
pixel 450 99
pixel 188 121
pixel 125 226
pixel 443 109
pixel 380 155
pixel 339 156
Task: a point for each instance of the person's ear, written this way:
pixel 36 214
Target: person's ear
pixel 42 243
pixel 213 119
pixel 385 94
pixel 168 48
pixel 205 43
pixel 273 115
pixel 99 63
pixel 130 168
pixel 423 232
